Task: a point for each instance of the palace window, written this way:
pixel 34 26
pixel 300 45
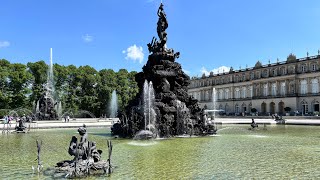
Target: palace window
pixel 220 95
pixel 226 94
pixel 265 90
pixel 283 71
pixel 314 67
pixel 291 69
pixel 244 92
pixel 207 96
pixel 283 89
pixel 236 78
pixel 258 74
pixel 265 73
pixel 303 68
pixel 274 72
pixel 237 93
pixel 251 91
pixel 215 95
pixel 274 89
pixel 314 86
pixel 292 87
pixel 252 75
pixel 303 86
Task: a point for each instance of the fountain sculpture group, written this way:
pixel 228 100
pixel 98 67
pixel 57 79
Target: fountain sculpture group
pixel 48 105
pixel 162 108
pixel 87 158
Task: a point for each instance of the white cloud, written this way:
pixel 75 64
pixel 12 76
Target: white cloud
pixel 87 38
pixel 4 44
pixel 134 53
pixel 186 71
pixel 220 69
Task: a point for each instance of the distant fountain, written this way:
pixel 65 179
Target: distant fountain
pixel 37 106
pixel 50 89
pixel 113 105
pixel 48 105
pixel 59 109
pixel 214 102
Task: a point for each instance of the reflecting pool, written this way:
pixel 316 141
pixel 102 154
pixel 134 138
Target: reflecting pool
pixel 277 152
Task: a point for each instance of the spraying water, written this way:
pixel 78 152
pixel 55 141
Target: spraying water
pixel 50 90
pixel 113 105
pixel 148 105
pixel 59 109
pixel 214 101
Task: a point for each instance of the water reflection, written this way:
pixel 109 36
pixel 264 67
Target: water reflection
pixel 280 152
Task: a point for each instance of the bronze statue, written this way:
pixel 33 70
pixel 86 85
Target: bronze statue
pixel 87 158
pixel 162 24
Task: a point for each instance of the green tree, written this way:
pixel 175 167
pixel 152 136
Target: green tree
pixel 87 94
pixel 19 85
pixel 72 86
pixel 4 84
pixel 61 82
pixel 106 84
pixel 39 73
pixel 126 87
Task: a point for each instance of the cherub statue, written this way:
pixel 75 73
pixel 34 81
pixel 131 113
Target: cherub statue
pixel 83 144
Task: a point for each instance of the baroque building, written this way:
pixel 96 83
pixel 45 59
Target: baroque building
pixel 269 89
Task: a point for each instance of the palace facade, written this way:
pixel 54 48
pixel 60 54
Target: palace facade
pixel 272 88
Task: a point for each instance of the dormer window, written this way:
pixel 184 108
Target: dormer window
pixel 314 67
pixel 303 68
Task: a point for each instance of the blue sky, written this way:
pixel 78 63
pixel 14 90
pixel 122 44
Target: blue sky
pixel 114 33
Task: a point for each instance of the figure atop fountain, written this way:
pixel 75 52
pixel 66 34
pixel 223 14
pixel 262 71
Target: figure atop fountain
pixel 162 25
pixel 159 47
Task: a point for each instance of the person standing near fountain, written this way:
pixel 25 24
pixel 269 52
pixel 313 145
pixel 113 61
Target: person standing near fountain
pixel 254 124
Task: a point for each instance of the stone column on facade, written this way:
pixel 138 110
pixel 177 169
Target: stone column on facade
pixel 268 88
pixel 277 88
pixel 286 87
pixel 318 84
pixel 309 85
pixel 297 86
pixel 231 92
pixel 260 90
